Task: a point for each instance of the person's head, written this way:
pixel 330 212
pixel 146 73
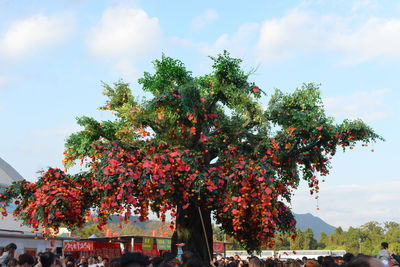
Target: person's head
pixel 12 262
pixel 116 262
pixel 10 248
pixel 134 259
pixel 26 260
pixel 292 264
pixel 105 262
pixel 255 262
pixel 57 263
pixel 312 263
pixel 156 261
pixel 186 256
pixel 365 261
pixel 384 245
pixel 194 262
pixel 47 259
pixel 91 260
pixel 348 257
pixel 168 256
pixel 304 259
pixel 328 260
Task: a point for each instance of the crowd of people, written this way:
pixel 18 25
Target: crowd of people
pixel 189 259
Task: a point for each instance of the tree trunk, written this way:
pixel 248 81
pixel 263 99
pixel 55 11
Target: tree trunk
pixel 189 230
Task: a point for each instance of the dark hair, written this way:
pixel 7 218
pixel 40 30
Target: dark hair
pixel 186 256
pixel 47 259
pixel 348 257
pixel 385 245
pixel 12 262
pixel 10 246
pixel 255 261
pixel 167 256
pixel 26 258
pixel 196 262
pixel 360 261
pixel 232 264
pixel 134 259
pixel 156 261
pixel 115 260
pixel 329 263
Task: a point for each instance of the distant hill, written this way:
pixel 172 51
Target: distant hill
pixel 318 226
pixel 304 221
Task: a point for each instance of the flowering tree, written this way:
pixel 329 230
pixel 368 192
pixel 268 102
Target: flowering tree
pixel 201 147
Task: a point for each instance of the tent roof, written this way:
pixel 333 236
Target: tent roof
pixel 8 174
pixel 9 225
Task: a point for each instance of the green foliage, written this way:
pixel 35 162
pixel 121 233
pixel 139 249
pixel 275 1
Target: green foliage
pixel 366 239
pixel 169 73
pixel 89 230
pixel 203 142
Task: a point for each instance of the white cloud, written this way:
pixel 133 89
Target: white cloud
pixel 352 205
pixel 375 38
pixel 33 33
pixel 124 32
pixel 122 36
pixel 281 38
pixel 208 16
pixel 237 43
pixel 366 105
pixel 305 32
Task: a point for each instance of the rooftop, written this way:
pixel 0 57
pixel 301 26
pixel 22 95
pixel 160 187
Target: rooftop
pixel 8 174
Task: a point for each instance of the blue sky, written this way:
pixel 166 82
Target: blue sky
pixel 54 55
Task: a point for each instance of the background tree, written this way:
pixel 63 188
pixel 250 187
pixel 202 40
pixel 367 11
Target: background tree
pixel 322 240
pixel 89 230
pixel 200 147
pixel 309 241
pixel 365 239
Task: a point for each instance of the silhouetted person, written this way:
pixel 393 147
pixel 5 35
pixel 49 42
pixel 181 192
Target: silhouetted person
pixel 134 259
pixel 26 260
pixel 47 259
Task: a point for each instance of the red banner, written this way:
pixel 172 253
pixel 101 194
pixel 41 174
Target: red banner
pixel 105 249
pixel 78 246
pixel 218 247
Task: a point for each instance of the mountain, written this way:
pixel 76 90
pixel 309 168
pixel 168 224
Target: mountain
pixel 318 226
pixel 304 221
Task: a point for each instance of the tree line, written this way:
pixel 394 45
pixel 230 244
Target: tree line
pixel 365 239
